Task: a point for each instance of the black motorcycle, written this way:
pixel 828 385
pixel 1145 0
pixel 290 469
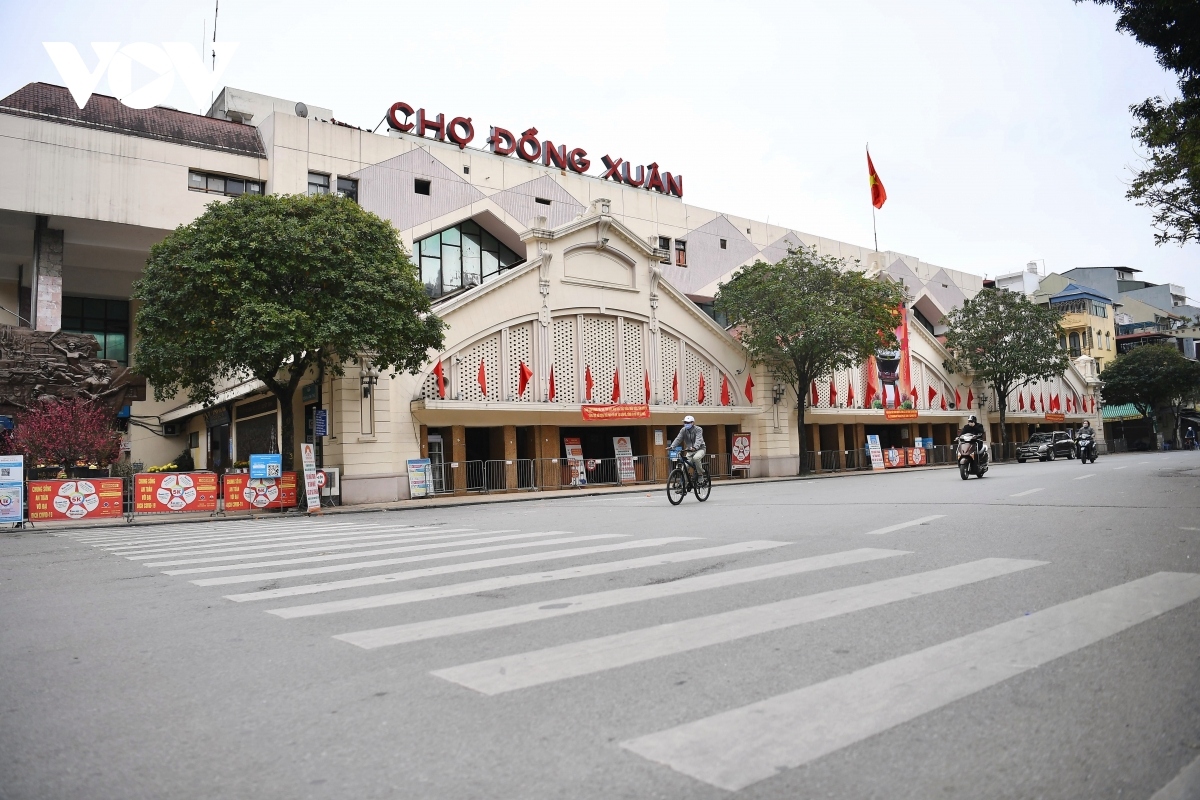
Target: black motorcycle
pixel 972 456
pixel 1086 447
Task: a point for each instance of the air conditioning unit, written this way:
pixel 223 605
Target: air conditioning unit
pixel 333 482
pixel 172 429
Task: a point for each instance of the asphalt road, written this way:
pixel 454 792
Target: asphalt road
pixel 1034 634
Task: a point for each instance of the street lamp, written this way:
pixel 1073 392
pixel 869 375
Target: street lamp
pixel 368 377
pixel 777 392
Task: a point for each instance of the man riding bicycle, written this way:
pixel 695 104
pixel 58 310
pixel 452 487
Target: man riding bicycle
pixel 691 438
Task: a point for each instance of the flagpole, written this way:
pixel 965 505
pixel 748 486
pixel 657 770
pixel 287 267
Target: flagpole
pixel 874 230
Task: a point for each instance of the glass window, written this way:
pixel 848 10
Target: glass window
pixel 216 184
pixel 724 244
pixel 347 187
pixel 420 186
pixel 680 253
pixel 318 183
pixel 197 181
pixel 491 264
pixel 234 187
pixel 461 256
pixel 107 320
pixel 472 255
pixel 452 276
pixel 220 184
pixel 1074 349
pixel 254 187
pixel 432 246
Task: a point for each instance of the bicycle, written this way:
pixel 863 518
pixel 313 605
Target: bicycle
pixel 681 480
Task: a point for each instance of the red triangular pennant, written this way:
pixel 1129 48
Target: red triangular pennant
pixel 647 387
pixel 523 378
pixel 700 394
pixel 749 389
pixel 587 382
pixel 441 379
pixel 850 395
pixel 724 390
pixel 675 387
pixel 616 393
pixel 552 392
pixel 481 376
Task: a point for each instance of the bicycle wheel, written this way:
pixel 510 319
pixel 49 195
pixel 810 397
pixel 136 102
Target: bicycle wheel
pixel 676 487
pixel 702 487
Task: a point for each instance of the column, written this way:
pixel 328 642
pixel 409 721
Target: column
pixel 458 458
pixel 423 439
pixel 718 448
pixel 46 291
pixel 547 447
pixel 814 444
pixel 841 458
pixel 659 452
pixel 510 458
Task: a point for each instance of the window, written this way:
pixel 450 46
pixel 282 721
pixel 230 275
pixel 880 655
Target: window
pixel 723 244
pixel 1098 310
pixel 466 170
pixel 1108 341
pixel 541 200
pixel 664 243
pixel 1074 349
pixel 680 253
pixel 421 186
pixel 221 184
pixel 107 320
pixel 194 439
pixel 347 187
pixel 318 183
pixel 463 256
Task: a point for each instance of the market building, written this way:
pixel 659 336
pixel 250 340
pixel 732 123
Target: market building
pixel 577 288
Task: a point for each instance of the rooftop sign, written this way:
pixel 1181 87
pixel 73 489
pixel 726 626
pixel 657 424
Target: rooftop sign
pixel 527 147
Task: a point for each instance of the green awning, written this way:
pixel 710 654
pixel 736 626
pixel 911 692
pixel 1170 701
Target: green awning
pixel 1120 413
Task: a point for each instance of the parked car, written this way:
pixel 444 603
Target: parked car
pixel 1046 447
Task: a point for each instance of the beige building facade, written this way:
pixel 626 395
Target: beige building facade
pixel 563 291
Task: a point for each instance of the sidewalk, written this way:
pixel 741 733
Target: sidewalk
pixel 446 501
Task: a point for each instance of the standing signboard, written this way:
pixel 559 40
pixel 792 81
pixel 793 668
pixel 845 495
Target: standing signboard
pixel 91 498
pixel 266 465
pixel 575 461
pixel 916 457
pixel 623 448
pixel 418 477
pixel 894 457
pixel 243 493
pixel 312 491
pixel 739 451
pixel 165 492
pixel 12 488
pixel 876 452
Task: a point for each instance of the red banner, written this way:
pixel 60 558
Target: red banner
pixel 623 411
pixel 900 413
pixel 893 457
pixel 85 498
pixel 916 457
pixel 243 493
pixel 739 451
pixel 1056 418
pixel 165 492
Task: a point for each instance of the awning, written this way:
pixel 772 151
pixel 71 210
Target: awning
pixel 227 396
pixel 1121 413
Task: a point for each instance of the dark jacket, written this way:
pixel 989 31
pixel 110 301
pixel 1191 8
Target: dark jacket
pixel 976 429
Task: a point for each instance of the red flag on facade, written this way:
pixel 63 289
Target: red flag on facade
pixel 1055 402
pixel 870 394
pixel 675 387
pixel 441 380
pixel 749 389
pixel 944 402
pixel 970 399
pixel 932 393
pixel 850 395
pixel 1042 402
pixel 832 393
pixel 878 193
pixel 523 379
pixel 616 395
pixel 647 387
pixel 481 376
pixel 700 393
pixel 587 381
pixel 724 390
pixel 957 398
pixel 813 391
pixel 914 394
pixel 1021 400
pixel 552 392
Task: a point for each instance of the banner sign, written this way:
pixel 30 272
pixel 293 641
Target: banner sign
pixel 916 457
pixel 89 498
pixel 623 447
pixel 165 492
pixel 894 457
pixel 12 488
pixel 900 413
pixel 739 451
pixel 312 490
pixel 876 452
pixel 243 493
pixel 418 477
pixel 601 413
pixel 266 465
pixel 321 422
pixel 574 449
pixel 1056 418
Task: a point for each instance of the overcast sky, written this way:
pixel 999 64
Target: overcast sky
pixel 1001 129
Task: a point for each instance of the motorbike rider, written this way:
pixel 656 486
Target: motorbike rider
pixel 1085 430
pixel 691 438
pixel 976 427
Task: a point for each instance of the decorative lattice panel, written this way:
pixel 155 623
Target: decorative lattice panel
pixel 918 380
pixel 600 354
pixel 487 351
pixel 694 367
pixel 429 388
pixel 520 349
pixel 634 387
pixel 564 360
pixel 843 380
pixel 668 360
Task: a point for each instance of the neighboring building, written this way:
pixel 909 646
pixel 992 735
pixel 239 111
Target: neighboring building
pixel 1087 323
pixel 1026 282
pixel 561 289
pixel 1120 283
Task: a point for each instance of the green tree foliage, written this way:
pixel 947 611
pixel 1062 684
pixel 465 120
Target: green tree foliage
pixel 1005 342
pixel 1168 129
pixel 808 316
pixel 1153 378
pixel 271 286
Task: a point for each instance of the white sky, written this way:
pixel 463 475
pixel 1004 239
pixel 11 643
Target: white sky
pixel 1000 129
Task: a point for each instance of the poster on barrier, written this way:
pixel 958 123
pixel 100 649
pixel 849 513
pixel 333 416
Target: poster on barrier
pixel 740 451
pixel 167 492
pixel 916 457
pixel 243 493
pixel 418 477
pixel 574 449
pixel 12 488
pixel 876 452
pixel 894 457
pixel 623 448
pixel 85 498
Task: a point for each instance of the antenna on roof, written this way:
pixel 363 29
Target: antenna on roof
pixel 216 11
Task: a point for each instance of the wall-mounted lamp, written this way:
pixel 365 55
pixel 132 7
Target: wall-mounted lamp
pixel 777 392
pixel 368 376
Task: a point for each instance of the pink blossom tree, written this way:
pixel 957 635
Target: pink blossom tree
pixel 67 432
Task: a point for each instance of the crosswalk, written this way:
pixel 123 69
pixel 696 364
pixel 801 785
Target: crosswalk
pixel 336 570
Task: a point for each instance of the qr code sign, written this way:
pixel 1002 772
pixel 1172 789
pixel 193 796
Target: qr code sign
pixel 5 472
pixel 274 470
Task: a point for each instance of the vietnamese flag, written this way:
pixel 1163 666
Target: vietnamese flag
pixel 932 394
pixel 441 380
pixel 523 379
pixel 815 398
pixel 749 389
pixel 1021 400
pixel 870 394
pixel 647 387
pixel 970 399
pixel 700 394
pixel 944 402
pixel 878 193
pixel 850 395
pixel 675 387
pixel 832 393
pixel 481 377
pixel 550 396
pixel 724 390
pixel 616 394
pixel 587 381
pixel 957 398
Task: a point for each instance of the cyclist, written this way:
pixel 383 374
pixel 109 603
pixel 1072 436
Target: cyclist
pixel 691 438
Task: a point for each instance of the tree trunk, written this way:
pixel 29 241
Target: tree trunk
pixel 1002 401
pixel 287 447
pixel 800 428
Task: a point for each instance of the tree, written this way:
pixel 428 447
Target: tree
pixel 66 432
pixel 270 286
pixel 1153 377
pixel 1006 342
pixel 808 316
pixel 1169 130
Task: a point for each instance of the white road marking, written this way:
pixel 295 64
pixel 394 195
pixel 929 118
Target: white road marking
pixel 387 562
pixel 908 524
pixel 524 579
pixel 737 748
pixel 533 612
pixel 1185 786
pixel 1189 529
pixel 1085 477
pixel 485 537
pixel 231 530
pixel 448 569
pixel 1116 468
pixel 291 541
pixel 1026 492
pixel 134 544
pixel 309 548
pixel 265 538
pixel 523 670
